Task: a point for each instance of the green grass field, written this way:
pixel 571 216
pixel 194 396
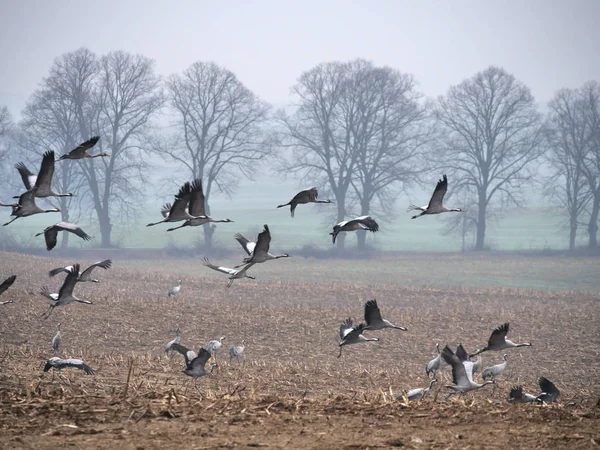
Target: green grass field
pixel 518 230
pixel 254 205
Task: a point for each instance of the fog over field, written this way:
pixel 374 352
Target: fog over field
pixel 205 205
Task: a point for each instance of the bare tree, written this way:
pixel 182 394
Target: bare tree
pixel 6 128
pixel 493 135
pixel 390 131
pixel 590 94
pixel 50 122
pixel 320 132
pixel 123 98
pixel 567 136
pixel 221 129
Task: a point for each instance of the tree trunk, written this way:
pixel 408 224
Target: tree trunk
pixel 572 230
pixel 105 228
pixel 209 229
pixel 593 223
pixel 480 242
pixel 64 216
pixel 361 236
pixel 339 240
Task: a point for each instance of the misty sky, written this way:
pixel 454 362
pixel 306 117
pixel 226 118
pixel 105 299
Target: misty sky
pixel 546 44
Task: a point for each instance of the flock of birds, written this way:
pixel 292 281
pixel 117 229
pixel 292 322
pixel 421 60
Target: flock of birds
pixel 188 207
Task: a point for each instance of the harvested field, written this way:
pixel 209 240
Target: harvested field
pixel 292 392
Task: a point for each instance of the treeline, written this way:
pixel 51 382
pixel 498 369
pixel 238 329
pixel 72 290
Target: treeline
pixel 362 134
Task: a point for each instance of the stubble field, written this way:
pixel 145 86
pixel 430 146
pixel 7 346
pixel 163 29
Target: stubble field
pixel 292 392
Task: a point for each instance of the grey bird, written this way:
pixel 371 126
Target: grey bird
pixel 434 365
pixel 237 352
pixel 81 151
pixel 213 347
pixel 197 209
pixel 51 233
pixel 309 195
pixel 351 334
pixel 187 353
pixel 65 295
pixel 516 395
pixel 59 364
pixel 27 207
pixel 56 340
pixel 5 285
pixel 86 275
pixel 179 210
pixel 234 274
pixel 358 224
pixel 462 373
pixel 176 340
pixel 246 244
pixel 374 320
pixel 174 290
pixel 260 253
pixel 419 393
pixel 495 370
pixel 42 183
pixel 498 341
pixel 435 205
pixel 195 364
pixel 549 392
pixel 548 395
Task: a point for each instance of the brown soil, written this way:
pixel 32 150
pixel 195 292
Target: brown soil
pixel 293 392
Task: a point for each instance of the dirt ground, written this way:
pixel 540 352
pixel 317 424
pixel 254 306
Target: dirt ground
pixel 292 391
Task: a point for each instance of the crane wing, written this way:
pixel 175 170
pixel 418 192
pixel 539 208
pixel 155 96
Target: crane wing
pixel 106 264
pixel 69 283
pixel 372 312
pixel 439 192
pixel 165 210
pixel 79 364
pixel 221 269
pixel 346 328
pixel 461 353
pixel 72 228
pixel 263 242
pixel 181 200
pixel 196 207
pixel 27 176
pixel 459 374
pixel 58 270
pixel 7 283
pixel 516 394
pixel 498 336
pixel 549 389
pixel 46 173
pixel 51 237
pixel 201 359
pixel 84 146
pixel 247 245
pixel 368 223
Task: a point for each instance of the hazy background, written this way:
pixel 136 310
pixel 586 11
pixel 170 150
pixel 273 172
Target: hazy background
pixel 268 45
